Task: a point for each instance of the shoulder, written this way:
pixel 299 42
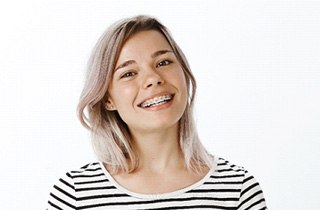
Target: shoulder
pixel 88 170
pixel 244 184
pixel 229 171
pixel 87 173
pixel 224 167
pixel 92 169
pixel 227 165
pixel 65 191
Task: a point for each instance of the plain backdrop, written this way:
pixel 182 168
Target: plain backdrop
pixel 257 64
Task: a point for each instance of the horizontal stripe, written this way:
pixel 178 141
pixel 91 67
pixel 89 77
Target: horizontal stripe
pixel 95 188
pixel 87 175
pixel 91 182
pixel 55 206
pixel 224 183
pixel 250 198
pixel 136 203
pixel 255 203
pixel 227 187
pixel 90 169
pixel 66 183
pixel 213 190
pixel 249 188
pixel 228 170
pixel 64 192
pixel 226 176
pixel 92 197
pixel 62 201
pixel 194 207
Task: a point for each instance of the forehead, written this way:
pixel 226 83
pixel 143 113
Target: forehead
pixel 142 43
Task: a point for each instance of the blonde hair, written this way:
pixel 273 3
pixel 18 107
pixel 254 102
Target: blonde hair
pixel 110 134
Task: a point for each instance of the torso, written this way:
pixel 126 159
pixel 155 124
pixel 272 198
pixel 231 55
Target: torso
pixel 226 186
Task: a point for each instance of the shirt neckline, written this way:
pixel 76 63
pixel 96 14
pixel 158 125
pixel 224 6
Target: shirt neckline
pixel 161 195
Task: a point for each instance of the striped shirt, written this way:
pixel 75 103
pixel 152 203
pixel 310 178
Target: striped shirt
pixel 226 186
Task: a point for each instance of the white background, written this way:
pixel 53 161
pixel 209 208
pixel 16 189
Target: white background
pixel 257 64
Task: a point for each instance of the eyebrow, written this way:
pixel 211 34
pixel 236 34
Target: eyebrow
pixel 160 52
pixel 124 64
pixel 154 55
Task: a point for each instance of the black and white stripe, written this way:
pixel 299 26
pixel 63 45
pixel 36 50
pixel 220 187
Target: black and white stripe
pixel 92 188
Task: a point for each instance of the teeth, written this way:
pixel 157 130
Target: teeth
pixel 156 101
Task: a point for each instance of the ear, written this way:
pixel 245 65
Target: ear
pixel 109 105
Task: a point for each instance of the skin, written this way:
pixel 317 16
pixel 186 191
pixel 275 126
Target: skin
pixel 147 68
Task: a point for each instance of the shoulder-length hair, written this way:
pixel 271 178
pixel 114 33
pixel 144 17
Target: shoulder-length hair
pixel 110 134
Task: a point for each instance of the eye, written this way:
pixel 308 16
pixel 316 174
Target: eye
pixel 163 63
pixel 127 74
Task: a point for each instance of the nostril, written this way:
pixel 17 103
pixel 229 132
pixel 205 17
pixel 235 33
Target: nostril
pixel 151 84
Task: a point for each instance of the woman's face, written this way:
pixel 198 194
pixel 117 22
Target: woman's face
pixel 148 88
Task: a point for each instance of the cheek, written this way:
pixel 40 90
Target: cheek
pixel 124 96
pixel 183 86
pixel 180 80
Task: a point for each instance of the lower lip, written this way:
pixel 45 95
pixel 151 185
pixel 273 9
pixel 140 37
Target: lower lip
pixel 160 106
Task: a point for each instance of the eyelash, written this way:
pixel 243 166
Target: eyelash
pixel 167 62
pixel 160 64
pixel 128 74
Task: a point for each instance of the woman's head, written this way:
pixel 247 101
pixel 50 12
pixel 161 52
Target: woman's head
pixel 110 134
pixel 148 84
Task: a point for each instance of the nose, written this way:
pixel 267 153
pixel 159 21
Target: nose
pixel 152 78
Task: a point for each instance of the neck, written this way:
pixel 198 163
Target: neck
pixel 158 151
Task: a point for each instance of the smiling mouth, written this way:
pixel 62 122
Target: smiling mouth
pixel 156 101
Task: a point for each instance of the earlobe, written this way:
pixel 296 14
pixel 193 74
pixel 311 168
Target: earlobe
pixel 109 105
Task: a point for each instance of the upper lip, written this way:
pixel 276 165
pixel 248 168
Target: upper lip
pixel 156 96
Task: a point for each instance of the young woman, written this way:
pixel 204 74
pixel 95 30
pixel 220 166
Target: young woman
pixel 138 98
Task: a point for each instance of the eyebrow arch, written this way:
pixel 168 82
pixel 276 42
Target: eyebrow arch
pixel 126 63
pixel 160 52
pixel 154 55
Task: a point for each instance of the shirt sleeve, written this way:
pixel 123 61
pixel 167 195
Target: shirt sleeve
pixel 62 195
pixel 251 197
